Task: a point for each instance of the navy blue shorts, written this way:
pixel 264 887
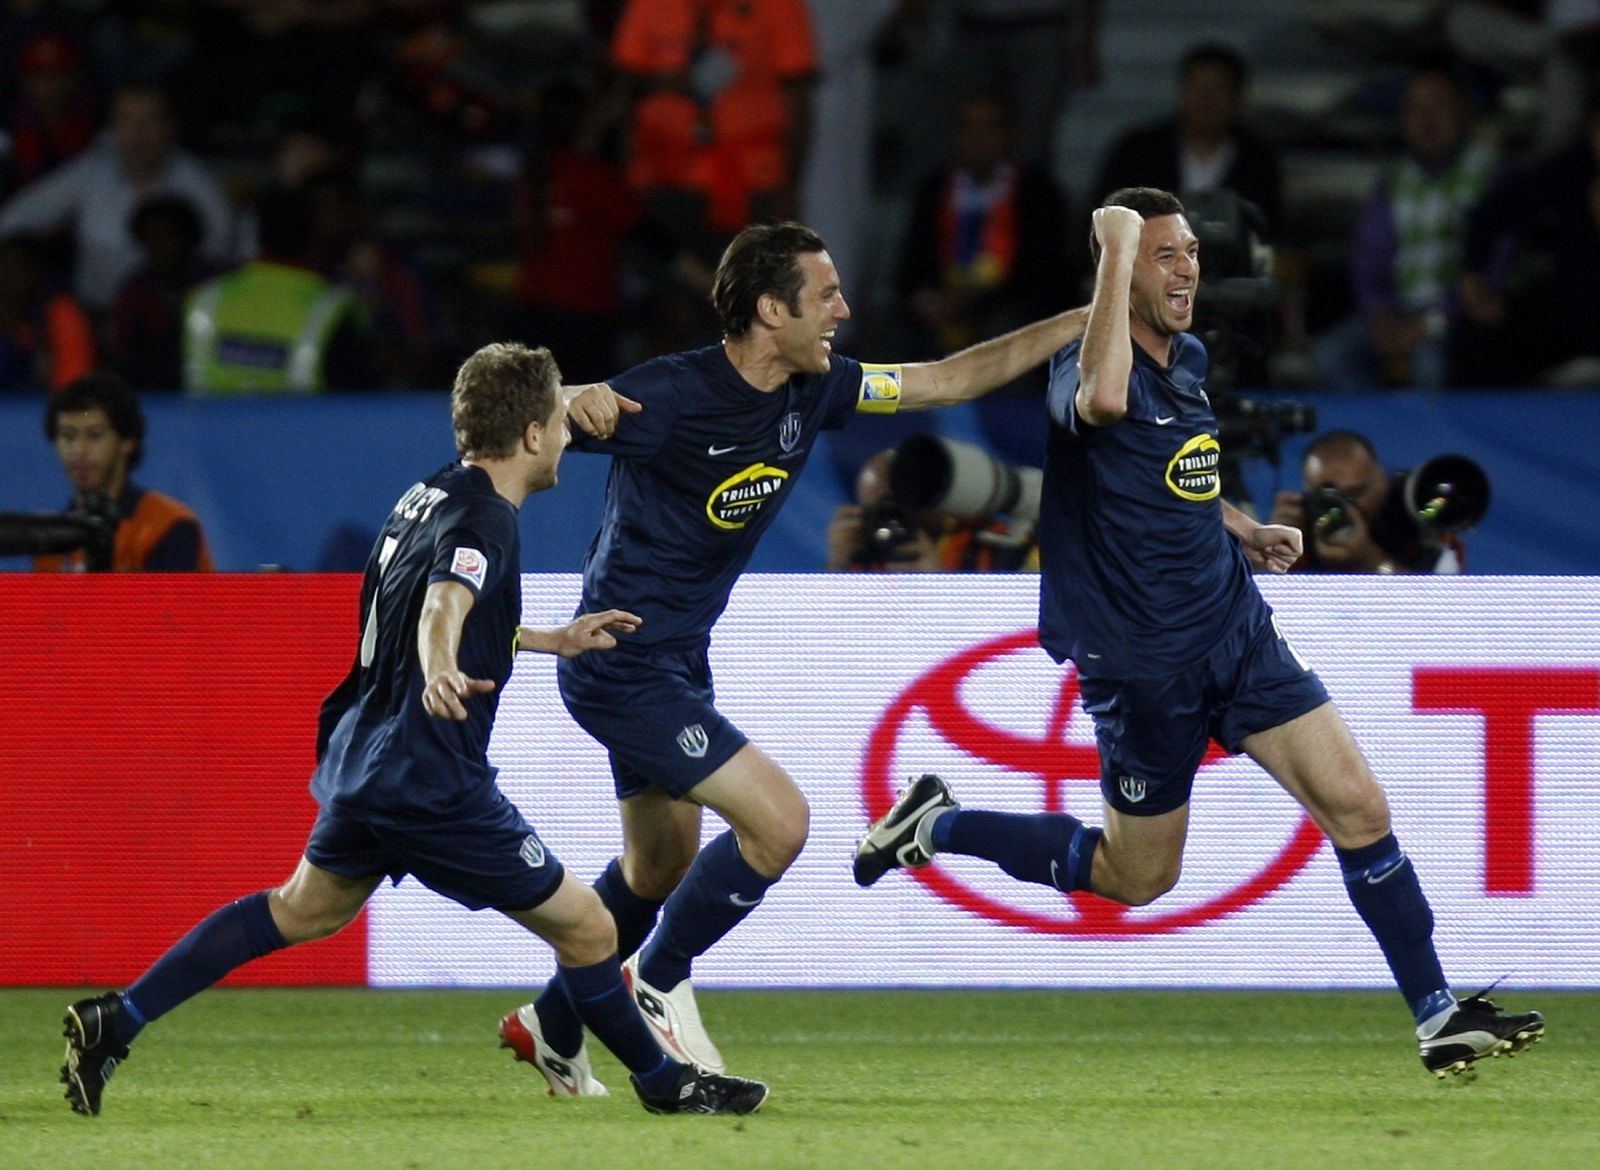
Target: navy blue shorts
pixel 655 713
pixel 1154 731
pixel 485 857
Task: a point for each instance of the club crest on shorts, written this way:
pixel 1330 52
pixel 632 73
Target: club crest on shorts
pixel 694 741
pixel 1132 790
pixel 532 851
pixel 789 430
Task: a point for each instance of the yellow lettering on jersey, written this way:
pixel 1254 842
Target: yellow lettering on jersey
pixel 880 389
pixel 1192 474
pixel 741 496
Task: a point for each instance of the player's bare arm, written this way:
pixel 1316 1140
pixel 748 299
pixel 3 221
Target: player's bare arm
pixel 1107 358
pixel 596 407
pixel 1272 547
pixel 981 368
pixel 586 632
pixel 444 610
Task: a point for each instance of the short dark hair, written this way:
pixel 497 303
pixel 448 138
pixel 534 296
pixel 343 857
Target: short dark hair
pixel 1150 202
pixel 1216 53
pixel 760 260
pixel 105 392
pixel 498 391
pixel 1328 440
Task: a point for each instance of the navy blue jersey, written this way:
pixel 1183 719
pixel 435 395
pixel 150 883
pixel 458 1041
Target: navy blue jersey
pixel 1138 573
pixel 699 475
pixel 380 754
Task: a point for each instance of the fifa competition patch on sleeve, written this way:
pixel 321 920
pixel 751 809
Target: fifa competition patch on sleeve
pixel 470 565
pixel 880 389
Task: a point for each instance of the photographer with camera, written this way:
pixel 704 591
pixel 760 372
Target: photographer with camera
pixel 1358 518
pixel 97 428
pixel 936 505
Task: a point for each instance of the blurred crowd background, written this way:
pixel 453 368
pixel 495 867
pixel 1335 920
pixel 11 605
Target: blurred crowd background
pixel 1391 194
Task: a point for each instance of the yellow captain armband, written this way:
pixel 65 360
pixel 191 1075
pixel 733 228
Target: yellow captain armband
pixel 880 389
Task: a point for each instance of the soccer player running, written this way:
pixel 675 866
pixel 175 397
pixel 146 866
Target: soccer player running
pixel 403 776
pixel 698 474
pixel 1146 586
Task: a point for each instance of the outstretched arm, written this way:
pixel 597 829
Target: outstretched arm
pixel 981 368
pixel 446 689
pixel 1107 357
pixel 590 631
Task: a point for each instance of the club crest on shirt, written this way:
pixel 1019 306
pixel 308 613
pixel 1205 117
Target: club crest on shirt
pixel 1193 473
pixel 789 430
pixel 470 565
pixel 739 497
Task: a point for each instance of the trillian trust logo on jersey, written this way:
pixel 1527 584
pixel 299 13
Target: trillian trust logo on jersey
pixel 789 430
pixel 694 741
pixel 741 495
pixel 1192 473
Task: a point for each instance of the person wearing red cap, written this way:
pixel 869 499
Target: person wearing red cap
pixel 54 116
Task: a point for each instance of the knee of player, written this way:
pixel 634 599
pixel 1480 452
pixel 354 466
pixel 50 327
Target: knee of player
pixel 1360 823
pixel 1143 888
pixel 590 938
pixel 786 835
pixel 300 919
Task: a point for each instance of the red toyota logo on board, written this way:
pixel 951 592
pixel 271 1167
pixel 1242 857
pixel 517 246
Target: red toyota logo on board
pixel 1051 762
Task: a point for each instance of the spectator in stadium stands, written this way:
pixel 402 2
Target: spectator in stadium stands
pixel 1406 252
pixel 93 196
pixel 274 325
pixel 145 329
pixel 1372 532
pixel 403 778
pixel 98 429
pixel 1033 52
pixel 1530 276
pixel 46 339
pixel 874 534
pixel 723 110
pixel 721 123
pixel 1205 145
pixel 987 248
pixel 574 212
pixel 54 118
pixel 343 246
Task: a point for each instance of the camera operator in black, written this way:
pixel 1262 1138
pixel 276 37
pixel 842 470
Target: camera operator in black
pixel 876 534
pixel 879 534
pixel 1355 516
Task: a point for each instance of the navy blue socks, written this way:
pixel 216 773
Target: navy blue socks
pixel 1049 849
pixel 229 938
pixel 1384 887
pixel 714 897
pixel 635 918
pixel 601 999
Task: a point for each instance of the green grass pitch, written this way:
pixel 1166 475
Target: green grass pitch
pixel 370 1080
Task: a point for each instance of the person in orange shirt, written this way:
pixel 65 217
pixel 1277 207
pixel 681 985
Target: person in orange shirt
pixel 725 106
pixel 98 428
pixel 46 339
